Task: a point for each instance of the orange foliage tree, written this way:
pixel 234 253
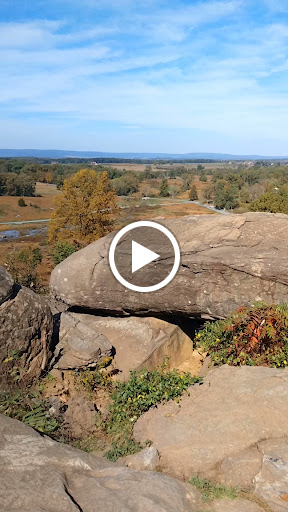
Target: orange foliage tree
pixel 84 210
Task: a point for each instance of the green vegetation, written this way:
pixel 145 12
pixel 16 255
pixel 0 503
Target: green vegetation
pixel 261 185
pixel 254 336
pixel 127 401
pixel 193 196
pixel 63 250
pixel 226 196
pixel 28 407
pixel 91 380
pixel 275 201
pixel 21 202
pixel 164 188
pixel 130 399
pixel 126 185
pixel 23 264
pixel 214 491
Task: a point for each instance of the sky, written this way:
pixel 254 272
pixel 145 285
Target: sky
pixel 152 76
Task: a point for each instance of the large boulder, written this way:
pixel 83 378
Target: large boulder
pixel 226 261
pixel 37 473
pixel 25 331
pixel 234 408
pixel 6 285
pixel 80 344
pixel 137 343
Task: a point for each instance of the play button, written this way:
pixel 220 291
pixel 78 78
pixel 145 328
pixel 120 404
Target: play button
pixel 144 256
pixel 141 256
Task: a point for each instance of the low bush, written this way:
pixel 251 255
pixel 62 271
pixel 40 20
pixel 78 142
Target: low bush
pixel 21 202
pixel 62 250
pixel 213 491
pixel 130 399
pixel 23 264
pixel 256 335
pixel 28 407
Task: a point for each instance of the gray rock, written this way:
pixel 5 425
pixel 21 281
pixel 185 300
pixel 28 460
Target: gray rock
pixel 37 473
pixel 271 483
pixel 225 505
pixel 80 344
pixel 138 343
pixel 6 285
pixel 146 460
pixel 25 335
pixel 80 416
pixel 239 469
pixel 227 261
pixel 235 408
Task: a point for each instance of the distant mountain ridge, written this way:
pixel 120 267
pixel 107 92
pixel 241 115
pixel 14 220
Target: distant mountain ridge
pixel 61 153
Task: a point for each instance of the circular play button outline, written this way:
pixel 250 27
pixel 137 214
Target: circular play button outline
pixel 144 224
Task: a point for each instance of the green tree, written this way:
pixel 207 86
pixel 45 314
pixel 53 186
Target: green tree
pixel 193 196
pixel 126 185
pixel 164 188
pixel 63 250
pixel 84 210
pixel 203 177
pixel 275 201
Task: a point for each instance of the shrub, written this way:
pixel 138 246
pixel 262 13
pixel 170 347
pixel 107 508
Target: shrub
pixel 145 389
pixel 91 380
pixel 210 491
pixel 26 406
pixel 21 202
pixel 23 266
pixel 130 399
pixel 255 335
pixel 63 250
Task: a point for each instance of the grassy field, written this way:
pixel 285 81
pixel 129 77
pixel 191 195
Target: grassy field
pixel 37 207
pixel 164 167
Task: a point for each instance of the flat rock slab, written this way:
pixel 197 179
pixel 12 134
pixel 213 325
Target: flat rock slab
pixel 234 408
pixel 226 262
pixel 225 505
pixel 37 473
pixel 135 343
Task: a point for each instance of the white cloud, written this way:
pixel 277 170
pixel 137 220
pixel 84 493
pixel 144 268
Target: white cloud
pixel 159 79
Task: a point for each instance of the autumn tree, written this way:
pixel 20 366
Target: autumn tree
pixel 84 210
pixel 193 196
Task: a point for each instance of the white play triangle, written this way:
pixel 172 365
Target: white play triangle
pixel 141 256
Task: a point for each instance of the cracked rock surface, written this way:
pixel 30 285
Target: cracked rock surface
pixel 37 473
pixel 226 261
pixel 25 330
pixel 235 408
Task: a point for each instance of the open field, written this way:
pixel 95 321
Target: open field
pixel 132 167
pixel 167 166
pixel 37 207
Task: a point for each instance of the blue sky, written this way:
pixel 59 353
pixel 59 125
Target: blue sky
pixel 154 76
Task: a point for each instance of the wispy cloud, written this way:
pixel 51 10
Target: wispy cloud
pixel 191 75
